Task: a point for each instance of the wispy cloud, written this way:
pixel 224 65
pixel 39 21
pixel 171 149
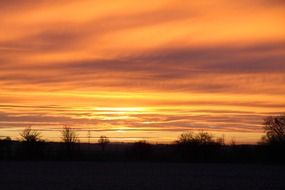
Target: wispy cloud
pixel 213 65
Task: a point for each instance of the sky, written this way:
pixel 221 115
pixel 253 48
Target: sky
pixel 141 70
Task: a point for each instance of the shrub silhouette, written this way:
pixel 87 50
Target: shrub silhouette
pixel 103 141
pixel 201 138
pixel 7 139
pixel 141 150
pixel 32 144
pixel 198 147
pixel 30 135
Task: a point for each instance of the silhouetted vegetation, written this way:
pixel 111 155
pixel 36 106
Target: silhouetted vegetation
pixel 141 150
pixel 103 141
pixel 69 135
pixel 273 143
pixel 274 127
pixel 198 139
pixel 30 136
pixel 198 146
pixel 70 140
pixel 32 146
pixel 6 139
pixel 189 147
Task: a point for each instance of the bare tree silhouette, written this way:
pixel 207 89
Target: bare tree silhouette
pixel 274 127
pixel 69 135
pixel 185 138
pixel 30 135
pixel 103 141
pixel 70 139
pixel 204 138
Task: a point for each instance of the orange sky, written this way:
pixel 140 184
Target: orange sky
pixel 141 70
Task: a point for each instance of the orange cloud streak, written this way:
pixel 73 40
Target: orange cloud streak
pixel 141 70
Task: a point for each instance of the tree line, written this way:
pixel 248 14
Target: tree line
pixel 189 146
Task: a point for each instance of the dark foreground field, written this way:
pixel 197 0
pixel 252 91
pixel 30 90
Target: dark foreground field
pixel 123 176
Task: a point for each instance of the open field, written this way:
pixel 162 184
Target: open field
pixel 122 176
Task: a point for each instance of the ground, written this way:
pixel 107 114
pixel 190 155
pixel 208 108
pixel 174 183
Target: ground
pixel 139 176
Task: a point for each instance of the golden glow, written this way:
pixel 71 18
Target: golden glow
pixel 134 70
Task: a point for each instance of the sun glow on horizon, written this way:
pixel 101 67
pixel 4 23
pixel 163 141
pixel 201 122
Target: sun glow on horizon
pixel 134 70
